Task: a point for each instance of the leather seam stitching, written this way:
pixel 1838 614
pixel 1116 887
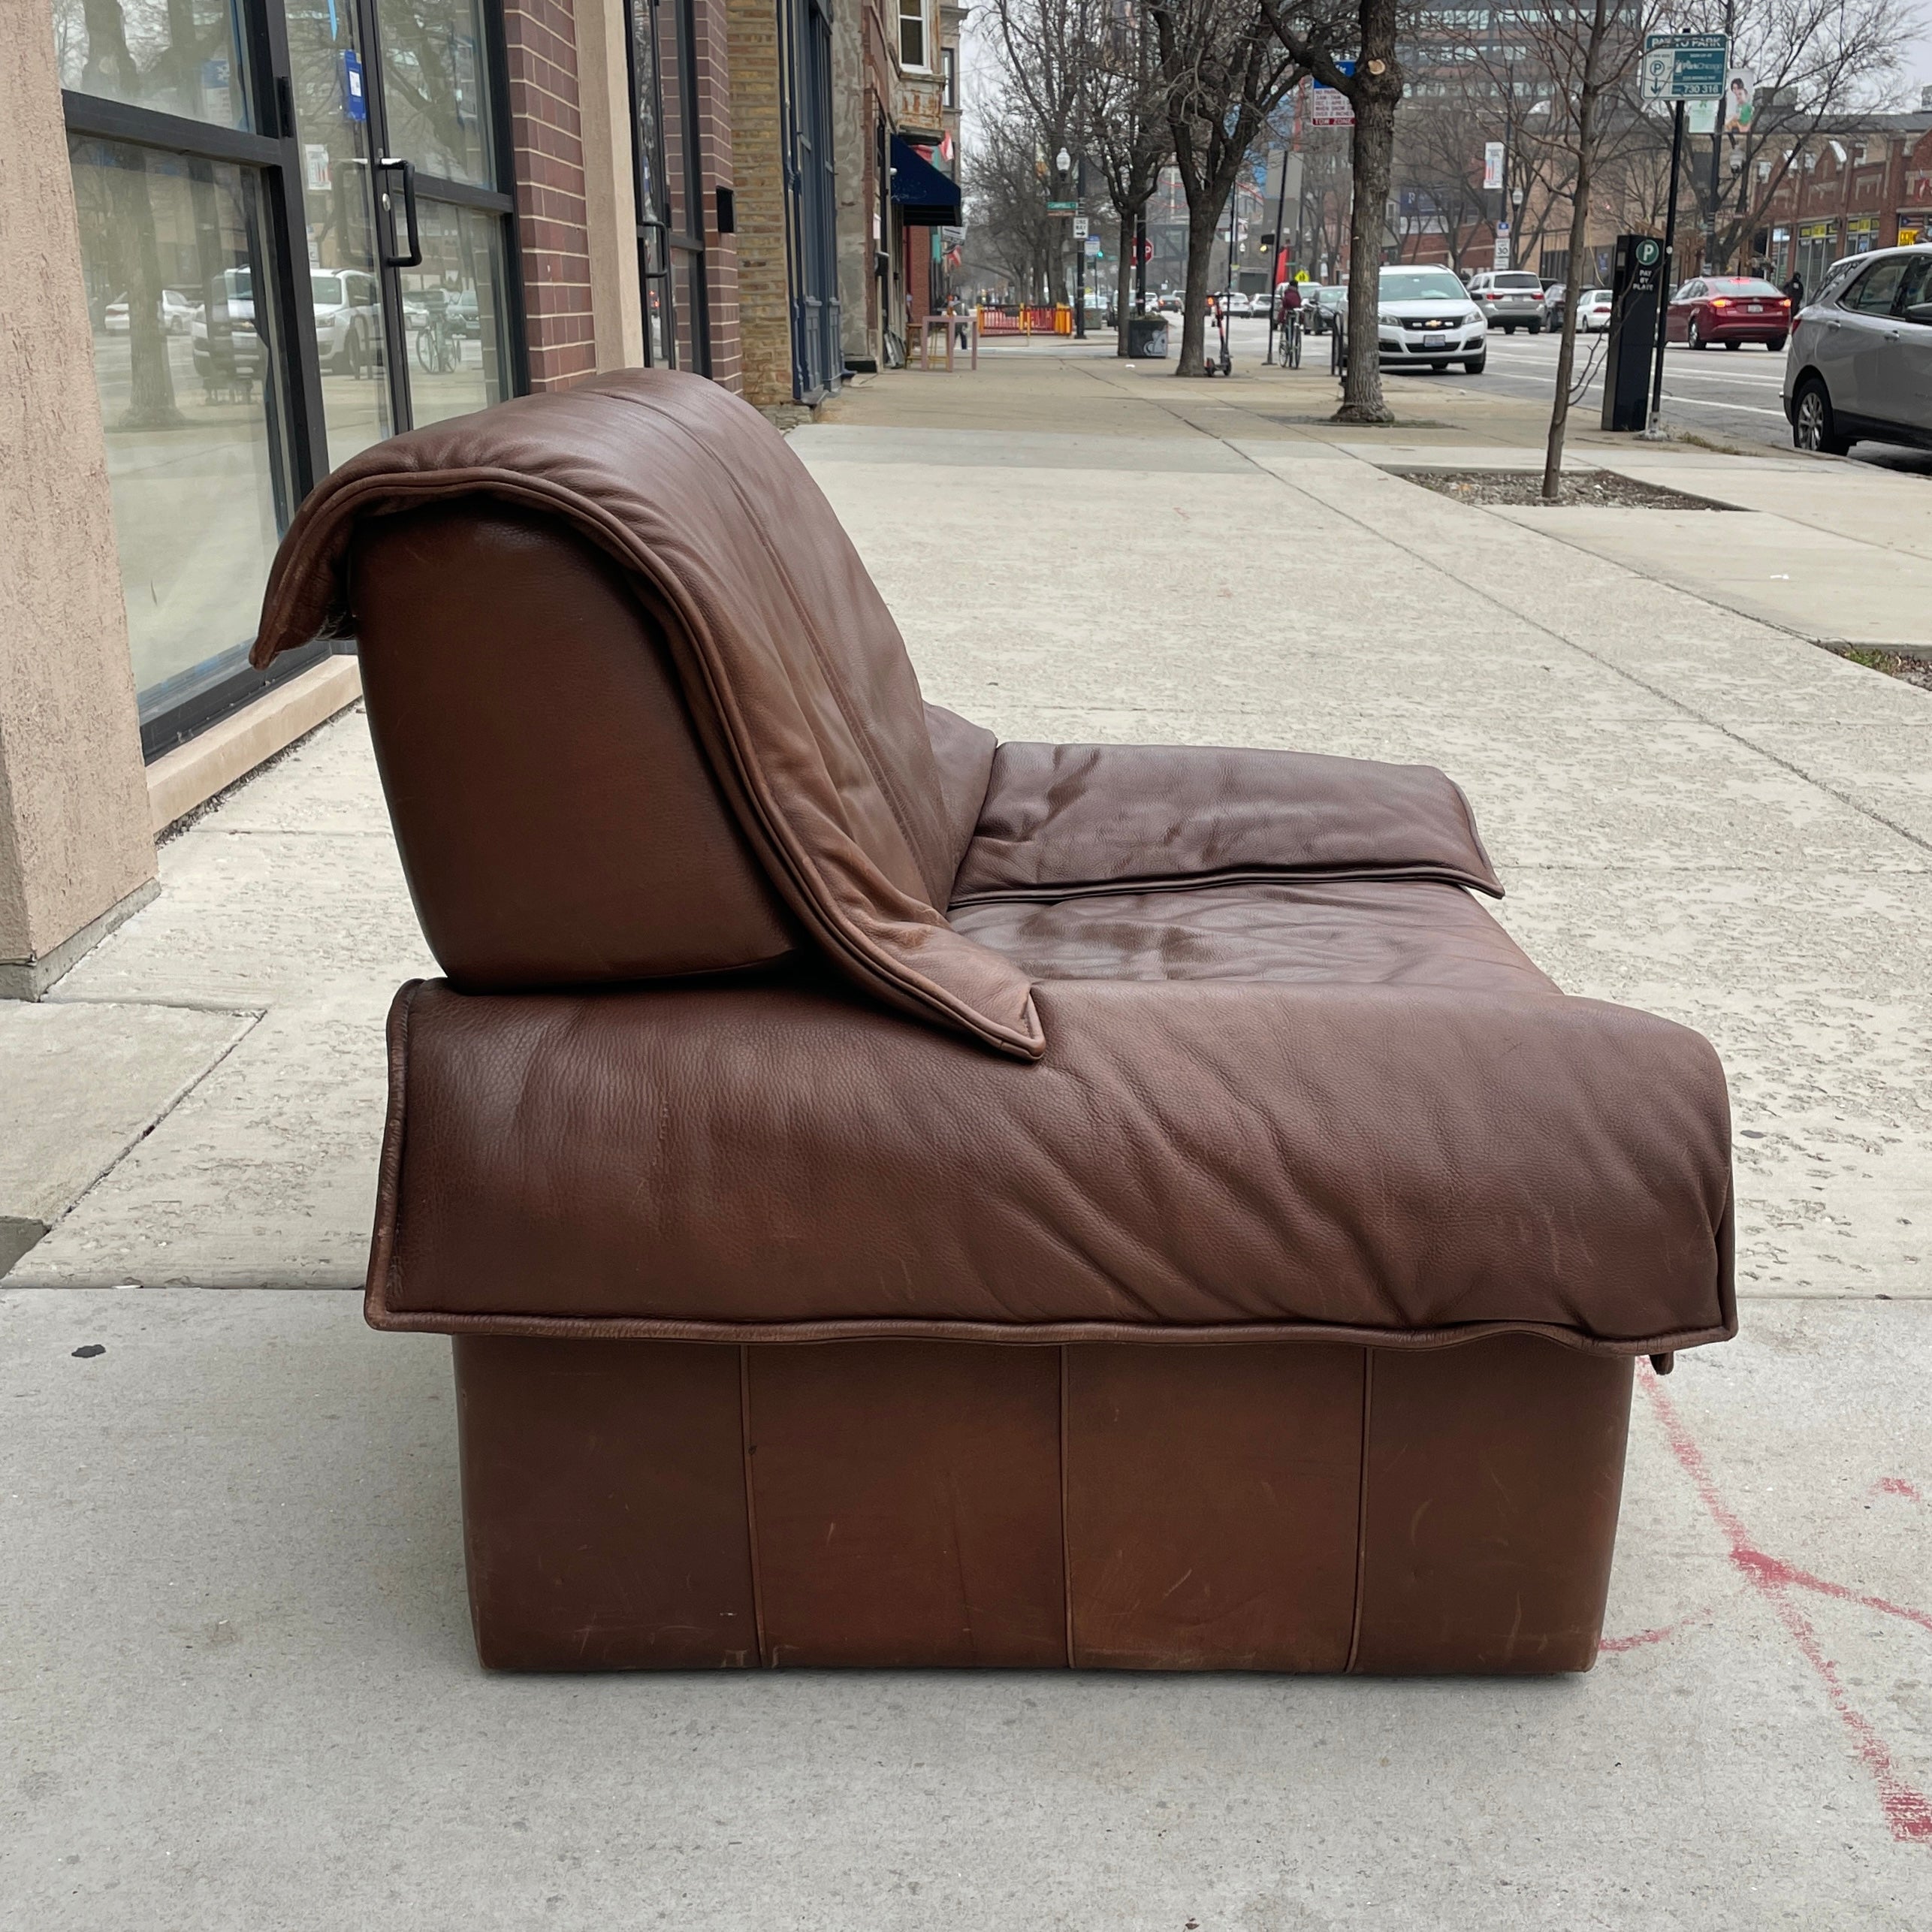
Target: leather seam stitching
pixel 1361 1514
pixel 750 1501
pixel 1066 1547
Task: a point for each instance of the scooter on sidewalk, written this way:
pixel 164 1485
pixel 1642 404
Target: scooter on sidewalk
pixel 1227 361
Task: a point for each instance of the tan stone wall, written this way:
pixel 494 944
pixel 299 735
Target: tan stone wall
pixel 74 838
pixel 610 191
pixel 763 293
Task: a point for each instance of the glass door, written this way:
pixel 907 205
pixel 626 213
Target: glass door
pixel 406 217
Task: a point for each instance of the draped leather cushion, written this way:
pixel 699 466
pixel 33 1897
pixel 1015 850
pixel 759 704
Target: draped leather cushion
pixel 793 671
pixel 1213 1159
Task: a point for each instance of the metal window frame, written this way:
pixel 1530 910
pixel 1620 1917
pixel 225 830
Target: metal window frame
pixel 268 146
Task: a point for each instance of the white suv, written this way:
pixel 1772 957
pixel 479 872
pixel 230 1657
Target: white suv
pixel 1427 317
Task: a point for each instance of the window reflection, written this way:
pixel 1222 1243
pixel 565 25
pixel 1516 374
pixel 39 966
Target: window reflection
pixel 177 56
pixel 452 315
pixel 338 211
pixel 186 363
pixel 433 86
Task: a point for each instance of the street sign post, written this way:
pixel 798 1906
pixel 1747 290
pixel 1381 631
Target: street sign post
pixel 1685 67
pixel 1079 227
pixel 1502 256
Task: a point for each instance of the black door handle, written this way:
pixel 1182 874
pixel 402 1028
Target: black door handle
pixel 389 166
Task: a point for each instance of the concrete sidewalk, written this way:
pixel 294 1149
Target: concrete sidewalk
pixel 238 1689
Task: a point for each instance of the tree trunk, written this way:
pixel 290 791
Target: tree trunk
pixel 1377 85
pixel 1373 147
pixel 1202 224
pixel 1580 220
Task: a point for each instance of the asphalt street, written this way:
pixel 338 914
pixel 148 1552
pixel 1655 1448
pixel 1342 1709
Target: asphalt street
pixel 1735 394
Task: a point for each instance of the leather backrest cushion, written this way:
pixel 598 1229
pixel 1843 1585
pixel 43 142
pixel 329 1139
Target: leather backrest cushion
pixel 558 821
pixel 796 678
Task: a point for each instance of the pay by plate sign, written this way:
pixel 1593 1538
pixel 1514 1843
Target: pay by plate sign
pixel 1685 67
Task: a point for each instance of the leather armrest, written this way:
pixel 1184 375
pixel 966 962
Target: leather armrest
pixel 1202 1161
pixel 1063 819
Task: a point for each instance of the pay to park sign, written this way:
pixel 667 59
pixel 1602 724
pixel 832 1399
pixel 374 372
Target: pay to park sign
pixel 1685 67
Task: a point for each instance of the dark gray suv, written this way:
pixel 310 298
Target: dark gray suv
pixel 1859 367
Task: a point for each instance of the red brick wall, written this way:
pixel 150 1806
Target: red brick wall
pixel 547 130
pixel 712 60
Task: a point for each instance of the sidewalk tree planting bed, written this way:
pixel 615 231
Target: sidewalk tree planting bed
pixel 1595 488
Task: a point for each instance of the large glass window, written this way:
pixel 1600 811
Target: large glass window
pixel 177 57
pixel 189 369
pixel 263 308
pixel 452 315
pixel 434 76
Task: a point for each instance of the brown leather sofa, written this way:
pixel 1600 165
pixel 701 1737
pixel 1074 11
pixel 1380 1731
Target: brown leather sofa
pixel 900 1199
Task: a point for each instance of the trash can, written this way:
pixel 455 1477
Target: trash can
pixel 1147 338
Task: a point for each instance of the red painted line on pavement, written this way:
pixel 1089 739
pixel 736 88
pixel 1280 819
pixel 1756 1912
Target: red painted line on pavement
pixel 1637 1640
pixel 1908 1811
pixel 1897 1486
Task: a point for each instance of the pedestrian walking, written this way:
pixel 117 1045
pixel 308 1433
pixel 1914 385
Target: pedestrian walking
pixel 1794 288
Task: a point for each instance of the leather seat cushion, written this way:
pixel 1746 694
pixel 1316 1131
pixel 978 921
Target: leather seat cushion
pixel 1409 933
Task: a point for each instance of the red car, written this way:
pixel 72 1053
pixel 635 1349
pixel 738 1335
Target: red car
pixel 1733 310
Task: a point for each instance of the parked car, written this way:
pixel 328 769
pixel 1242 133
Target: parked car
pixel 1593 311
pixel 1327 304
pixel 177 313
pixel 1733 310
pixel 348 322
pixel 1554 296
pixel 228 354
pixel 1859 367
pixel 1509 299
pixel 1427 318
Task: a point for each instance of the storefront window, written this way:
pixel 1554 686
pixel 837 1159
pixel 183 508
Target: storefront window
pixel 257 318
pixel 452 314
pixel 189 372
pixel 332 127
pixel 433 74
pixel 182 57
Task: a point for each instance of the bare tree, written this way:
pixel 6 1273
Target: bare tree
pixel 1009 230
pixel 1124 125
pixel 1817 62
pixel 1317 35
pixel 1046 52
pixel 1222 74
pixel 1588 51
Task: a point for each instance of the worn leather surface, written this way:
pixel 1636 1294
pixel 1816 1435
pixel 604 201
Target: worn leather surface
pixel 793 671
pixel 557 821
pixel 1085 818
pixel 1407 1163
pixel 640 1505
pixel 1398 933
pixel 963 752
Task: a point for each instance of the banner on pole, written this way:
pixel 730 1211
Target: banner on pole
pixel 1492 164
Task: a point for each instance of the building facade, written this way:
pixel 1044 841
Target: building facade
pixel 244 240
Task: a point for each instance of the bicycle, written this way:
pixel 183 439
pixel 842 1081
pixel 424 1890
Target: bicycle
pixel 438 347
pixel 1291 339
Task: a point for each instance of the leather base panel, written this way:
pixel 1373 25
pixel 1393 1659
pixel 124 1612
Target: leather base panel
pixel 1212 1499
pixel 907 1502
pixel 603 1504
pixel 1308 1507
pixel 1489 1508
